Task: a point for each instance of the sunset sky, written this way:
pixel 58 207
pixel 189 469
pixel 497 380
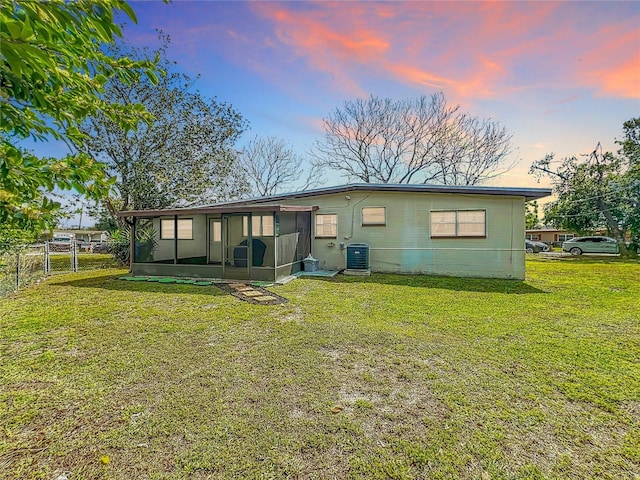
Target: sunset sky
pixel 560 76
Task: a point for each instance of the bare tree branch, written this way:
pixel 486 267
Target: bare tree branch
pixel 271 166
pixel 421 140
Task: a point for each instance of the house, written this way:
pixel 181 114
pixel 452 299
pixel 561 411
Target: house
pixel 421 229
pixel 549 236
pixel 77 234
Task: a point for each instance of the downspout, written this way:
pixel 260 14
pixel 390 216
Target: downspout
pixel 132 242
pixel 175 239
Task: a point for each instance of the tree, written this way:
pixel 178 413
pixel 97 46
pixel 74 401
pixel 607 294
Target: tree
pixel 184 156
pixel 422 140
pixel 52 66
pixel 531 218
pixel 271 166
pixel 601 192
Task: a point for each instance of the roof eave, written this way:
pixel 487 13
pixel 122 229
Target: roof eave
pixel 216 209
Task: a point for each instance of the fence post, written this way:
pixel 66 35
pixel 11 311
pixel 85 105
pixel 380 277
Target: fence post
pixel 47 265
pixel 74 256
pixel 17 270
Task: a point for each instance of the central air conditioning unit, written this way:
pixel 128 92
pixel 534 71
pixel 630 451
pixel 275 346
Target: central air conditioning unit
pixel 357 259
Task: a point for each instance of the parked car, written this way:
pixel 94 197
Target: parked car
pixel 580 245
pixel 535 247
pixel 60 244
pixel 100 248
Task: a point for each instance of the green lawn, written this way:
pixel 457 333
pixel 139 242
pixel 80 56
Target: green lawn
pixel 380 377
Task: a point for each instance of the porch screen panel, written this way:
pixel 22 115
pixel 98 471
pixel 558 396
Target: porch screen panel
pixel 147 241
pixel 287 239
pixel 303 227
pixel 192 240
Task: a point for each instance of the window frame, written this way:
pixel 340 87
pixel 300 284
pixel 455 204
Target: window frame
pixel 260 225
pixel 374 224
pixel 457 223
pixel 173 229
pixel 216 222
pixel 315 225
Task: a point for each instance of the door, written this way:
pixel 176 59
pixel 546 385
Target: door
pixel 215 241
pixel 236 249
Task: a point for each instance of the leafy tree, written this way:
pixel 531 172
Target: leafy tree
pixel 271 166
pixel 601 192
pixel 420 140
pixel 531 218
pixel 52 65
pixel 186 155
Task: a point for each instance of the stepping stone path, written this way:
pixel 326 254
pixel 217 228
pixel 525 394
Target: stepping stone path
pixel 252 294
pixel 248 293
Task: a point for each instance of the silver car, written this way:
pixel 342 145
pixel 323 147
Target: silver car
pixel 535 247
pixel 580 245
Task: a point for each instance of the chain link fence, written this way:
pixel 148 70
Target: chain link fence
pixel 35 262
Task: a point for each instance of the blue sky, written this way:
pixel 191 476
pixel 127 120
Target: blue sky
pixel 561 76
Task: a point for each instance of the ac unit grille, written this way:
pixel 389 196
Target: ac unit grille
pixel 358 256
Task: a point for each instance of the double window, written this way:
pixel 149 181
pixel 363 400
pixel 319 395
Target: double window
pixel 458 223
pixel 563 237
pixel 168 229
pixel 326 225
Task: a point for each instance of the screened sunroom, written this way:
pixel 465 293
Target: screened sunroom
pixel 256 242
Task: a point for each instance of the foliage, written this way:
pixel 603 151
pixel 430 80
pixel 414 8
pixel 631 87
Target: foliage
pixel 119 244
pixel 185 156
pixel 531 217
pixel 601 192
pixel 459 378
pixel 52 65
pixel 103 218
pixel 12 239
pixel 271 166
pixel 420 140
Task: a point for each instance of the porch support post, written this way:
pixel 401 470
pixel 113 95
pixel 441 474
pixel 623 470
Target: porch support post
pixel 132 243
pixel 175 239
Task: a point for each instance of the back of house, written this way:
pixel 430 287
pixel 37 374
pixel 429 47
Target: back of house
pixel 418 229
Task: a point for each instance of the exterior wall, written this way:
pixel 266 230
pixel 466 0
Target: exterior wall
pixel 186 248
pixel 547 236
pixel 404 245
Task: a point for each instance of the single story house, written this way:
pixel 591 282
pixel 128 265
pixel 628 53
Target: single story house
pixel 80 235
pixel 549 236
pixel 421 229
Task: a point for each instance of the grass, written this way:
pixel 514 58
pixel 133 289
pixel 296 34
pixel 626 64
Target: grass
pixel 386 377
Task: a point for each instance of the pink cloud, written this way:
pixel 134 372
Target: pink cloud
pixel 470 50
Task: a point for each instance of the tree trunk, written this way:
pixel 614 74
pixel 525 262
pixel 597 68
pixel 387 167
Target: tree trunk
pixel 615 230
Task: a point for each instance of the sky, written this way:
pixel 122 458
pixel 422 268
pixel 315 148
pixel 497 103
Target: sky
pixel 561 76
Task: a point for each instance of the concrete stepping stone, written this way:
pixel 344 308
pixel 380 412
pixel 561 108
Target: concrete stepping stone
pixel 253 293
pixel 265 298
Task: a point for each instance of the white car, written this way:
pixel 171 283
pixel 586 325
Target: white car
pixel 580 245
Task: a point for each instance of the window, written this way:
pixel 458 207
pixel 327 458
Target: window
pixel 374 216
pixel 458 223
pixel 533 237
pixel 216 231
pixel 185 228
pixel 564 237
pixel 327 225
pixel 261 226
